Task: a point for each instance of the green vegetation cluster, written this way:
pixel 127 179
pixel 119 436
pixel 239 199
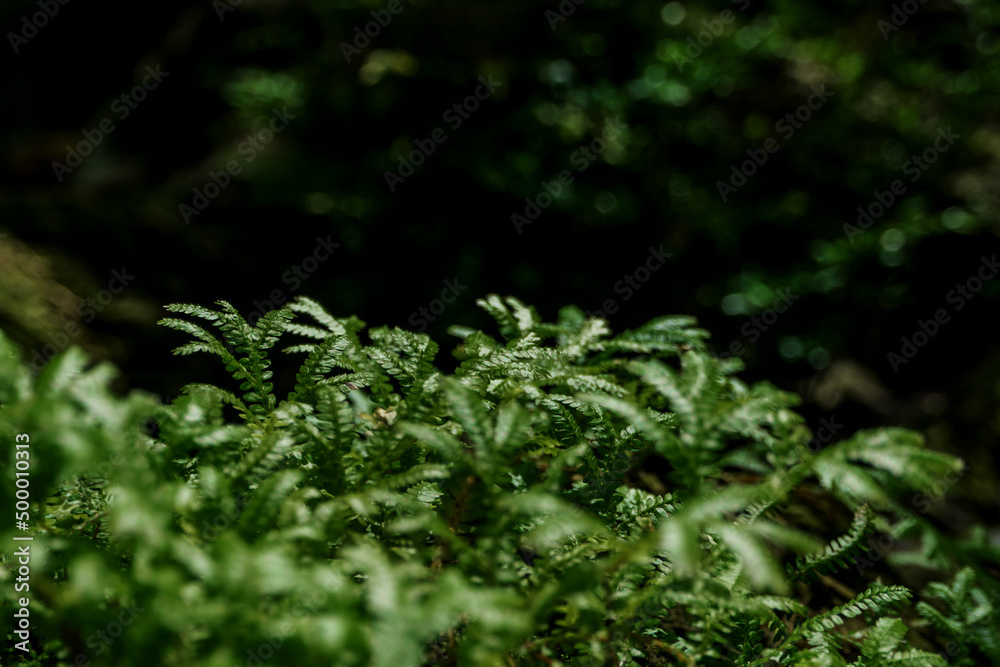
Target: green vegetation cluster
pixel 566 496
pixel 880 204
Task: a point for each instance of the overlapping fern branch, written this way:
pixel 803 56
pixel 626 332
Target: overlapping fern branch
pixel 567 496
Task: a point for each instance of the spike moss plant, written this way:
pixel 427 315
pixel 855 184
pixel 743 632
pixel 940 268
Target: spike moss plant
pixel 565 497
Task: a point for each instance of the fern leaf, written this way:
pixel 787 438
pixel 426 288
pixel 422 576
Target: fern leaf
pixel 883 638
pixel 469 412
pixel 838 553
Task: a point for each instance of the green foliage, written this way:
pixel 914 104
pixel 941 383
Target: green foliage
pixel 969 619
pixel 838 554
pixel 384 513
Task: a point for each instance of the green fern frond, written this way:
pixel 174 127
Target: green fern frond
pixel 970 618
pixel 469 411
pixel 438 439
pixel 875 600
pixel 307 306
pixel 307 330
pixel 839 553
pixel 882 639
pixel 600 499
pixel 506 322
pixel 911 658
pixel 566 427
pixel 193 311
pixel 671 334
pixel 665 441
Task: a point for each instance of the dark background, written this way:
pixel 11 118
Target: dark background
pixel 561 81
